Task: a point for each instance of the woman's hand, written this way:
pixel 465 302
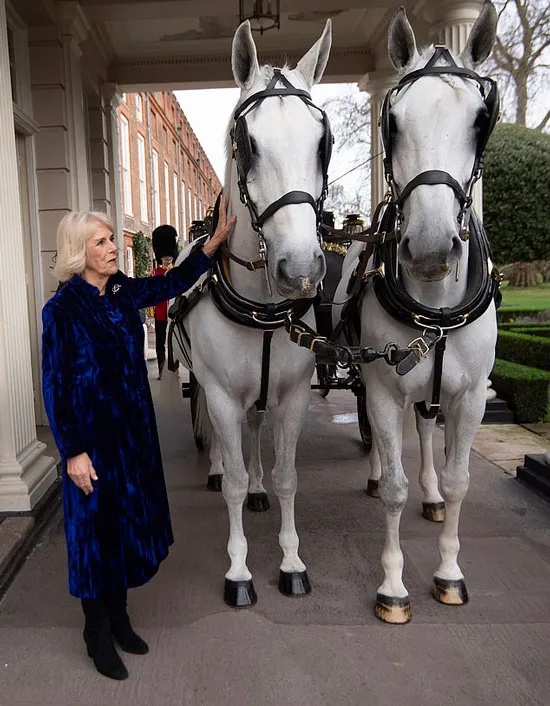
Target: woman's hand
pixel 223 231
pixel 81 472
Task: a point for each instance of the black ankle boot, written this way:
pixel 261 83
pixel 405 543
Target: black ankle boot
pixel 99 640
pixel 121 627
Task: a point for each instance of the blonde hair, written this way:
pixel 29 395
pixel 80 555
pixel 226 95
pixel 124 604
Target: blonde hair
pixel 73 231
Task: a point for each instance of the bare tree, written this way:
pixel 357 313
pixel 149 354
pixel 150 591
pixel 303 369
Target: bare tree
pixel 521 52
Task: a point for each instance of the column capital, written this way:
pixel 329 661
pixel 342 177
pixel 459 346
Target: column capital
pixel 111 94
pixel 379 82
pixel 74 22
pixel 452 11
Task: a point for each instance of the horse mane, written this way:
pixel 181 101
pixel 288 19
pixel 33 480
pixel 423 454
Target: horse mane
pixel 266 74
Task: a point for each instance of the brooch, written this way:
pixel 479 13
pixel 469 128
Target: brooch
pixel 116 287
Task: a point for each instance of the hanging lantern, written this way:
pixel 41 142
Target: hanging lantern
pixel 262 14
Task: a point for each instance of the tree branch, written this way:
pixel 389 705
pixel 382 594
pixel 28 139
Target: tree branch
pixel 543 122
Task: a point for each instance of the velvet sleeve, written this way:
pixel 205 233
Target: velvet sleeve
pixel 58 354
pixel 149 291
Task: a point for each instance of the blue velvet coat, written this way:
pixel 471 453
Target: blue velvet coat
pixel 98 401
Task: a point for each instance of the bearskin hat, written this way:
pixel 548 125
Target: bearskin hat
pixel 165 239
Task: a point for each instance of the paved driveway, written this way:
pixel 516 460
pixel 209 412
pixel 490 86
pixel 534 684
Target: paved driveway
pixel 326 649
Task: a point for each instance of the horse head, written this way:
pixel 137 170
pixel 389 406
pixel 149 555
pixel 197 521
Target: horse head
pixel 281 143
pixel 435 124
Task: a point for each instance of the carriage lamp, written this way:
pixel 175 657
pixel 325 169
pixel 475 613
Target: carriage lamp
pixel 262 14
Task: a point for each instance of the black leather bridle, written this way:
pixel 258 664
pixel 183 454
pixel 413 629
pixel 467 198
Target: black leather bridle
pixel 437 176
pixel 243 155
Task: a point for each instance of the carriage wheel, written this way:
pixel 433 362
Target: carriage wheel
pixel 194 391
pixel 363 420
pixel 324 378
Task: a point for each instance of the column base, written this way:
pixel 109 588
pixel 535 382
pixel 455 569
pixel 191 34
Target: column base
pixel 25 480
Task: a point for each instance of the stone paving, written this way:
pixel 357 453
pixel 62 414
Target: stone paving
pixel 325 649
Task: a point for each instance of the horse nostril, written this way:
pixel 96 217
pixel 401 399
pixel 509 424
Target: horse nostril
pixel 456 249
pixel 405 254
pixel 281 268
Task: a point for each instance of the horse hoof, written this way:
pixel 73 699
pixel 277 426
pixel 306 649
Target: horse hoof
pixel 389 609
pixel 239 594
pixel 450 592
pixel 294 583
pixel 214 482
pixel 257 502
pixel 372 488
pixel 433 512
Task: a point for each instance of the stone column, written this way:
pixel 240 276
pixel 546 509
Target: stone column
pixel 25 473
pixel 377 85
pixel 75 29
pixel 99 117
pixel 452 21
pixel 113 98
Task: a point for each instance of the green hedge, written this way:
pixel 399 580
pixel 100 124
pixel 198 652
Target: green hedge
pixel 524 349
pixel 535 328
pixel 507 315
pixel 525 389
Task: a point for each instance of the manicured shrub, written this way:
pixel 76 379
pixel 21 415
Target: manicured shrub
pixel 516 207
pixel 504 315
pixel 524 349
pixel 525 389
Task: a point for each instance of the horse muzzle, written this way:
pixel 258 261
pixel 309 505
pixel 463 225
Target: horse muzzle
pixel 433 264
pixel 299 282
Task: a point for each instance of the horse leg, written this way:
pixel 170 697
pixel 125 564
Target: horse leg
pixel 289 418
pixel 257 499
pixel 227 418
pixel 375 471
pixel 433 507
pixel 392 598
pixel 462 422
pixel 215 475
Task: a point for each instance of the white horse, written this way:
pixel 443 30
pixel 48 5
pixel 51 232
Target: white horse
pixel 281 147
pixel 433 122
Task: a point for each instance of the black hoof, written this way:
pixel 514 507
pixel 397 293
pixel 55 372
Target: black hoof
pixel 239 594
pixel 257 502
pixel 450 592
pixel 433 512
pixel 372 488
pixel 389 609
pixel 294 583
pixel 214 482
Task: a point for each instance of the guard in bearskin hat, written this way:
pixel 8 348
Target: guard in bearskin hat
pixel 165 247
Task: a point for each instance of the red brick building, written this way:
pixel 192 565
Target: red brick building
pixel 166 176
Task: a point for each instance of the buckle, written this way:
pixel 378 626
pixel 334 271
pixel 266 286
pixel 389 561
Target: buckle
pixel 420 346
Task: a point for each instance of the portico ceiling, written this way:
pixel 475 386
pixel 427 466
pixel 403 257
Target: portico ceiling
pixel 187 43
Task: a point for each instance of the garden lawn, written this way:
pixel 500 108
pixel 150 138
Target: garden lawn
pixel 528 298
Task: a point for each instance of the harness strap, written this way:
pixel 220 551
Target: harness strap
pixel 251 265
pixel 433 410
pixel 290 198
pixel 432 177
pixel 261 402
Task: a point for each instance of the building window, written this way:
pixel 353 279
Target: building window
pixel 190 205
pixel 129 261
pixel 156 186
pixel 176 206
pixel 183 211
pixel 142 179
pixel 154 123
pixel 167 193
pixel 123 97
pixel 139 107
pixel 125 165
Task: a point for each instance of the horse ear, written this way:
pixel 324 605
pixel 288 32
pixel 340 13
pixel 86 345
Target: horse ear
pixel 401 41
pixel 482 36
pixel 244 59
pixel 312 65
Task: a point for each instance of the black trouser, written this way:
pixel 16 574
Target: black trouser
pixel 160 343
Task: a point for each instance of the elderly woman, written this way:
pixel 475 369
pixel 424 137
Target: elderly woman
pixel 97 397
